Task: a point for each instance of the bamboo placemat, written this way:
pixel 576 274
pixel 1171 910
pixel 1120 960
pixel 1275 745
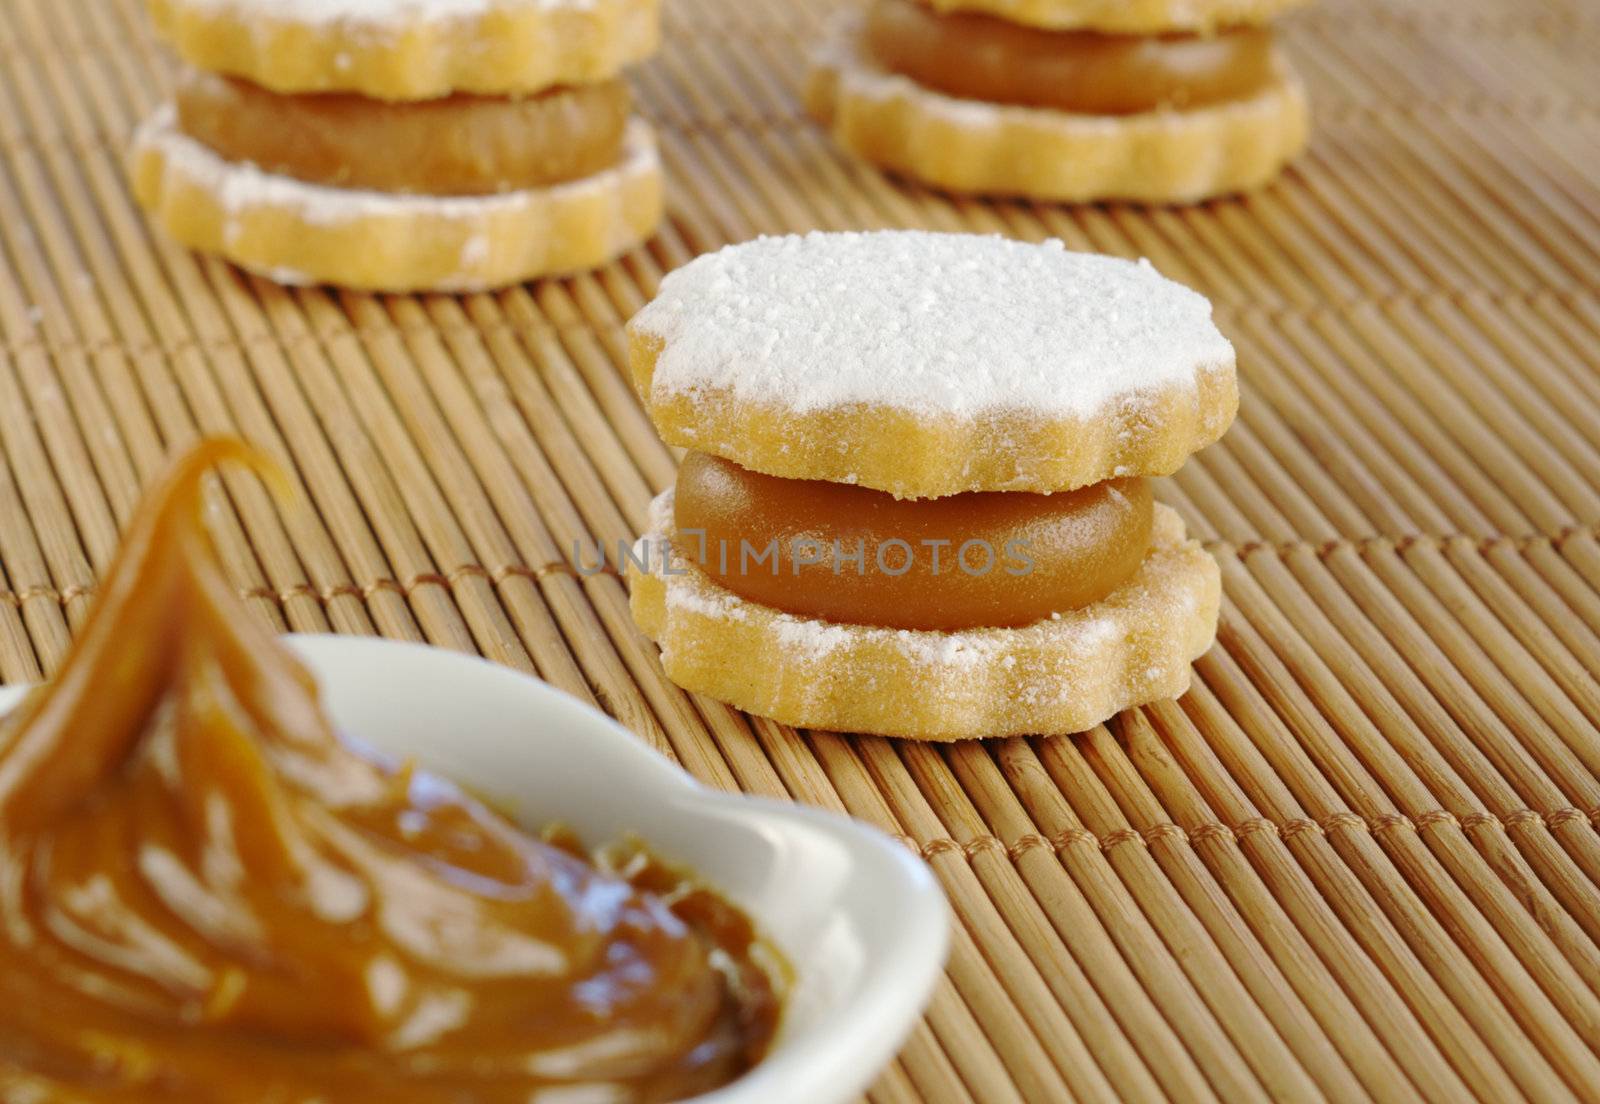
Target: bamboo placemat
pixel 1358 860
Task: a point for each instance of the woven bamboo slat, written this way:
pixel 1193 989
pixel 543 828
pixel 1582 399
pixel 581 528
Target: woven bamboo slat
pixel 1358 861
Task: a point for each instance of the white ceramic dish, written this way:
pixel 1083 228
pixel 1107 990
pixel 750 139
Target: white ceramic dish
pixel 861 919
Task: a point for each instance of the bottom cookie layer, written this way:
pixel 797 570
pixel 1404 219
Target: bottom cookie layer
pixel 994 149
pixel 299 233
pixel 1062 675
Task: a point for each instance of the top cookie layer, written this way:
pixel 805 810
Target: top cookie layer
pixel 932 364
pixel 1126 16
pixel 412 49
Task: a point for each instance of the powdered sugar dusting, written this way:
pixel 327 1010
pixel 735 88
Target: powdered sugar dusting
pixel 812 639
pixel 816 640
pixel 939 325
pixel 706 604
pixel 379 13
pixel 475 252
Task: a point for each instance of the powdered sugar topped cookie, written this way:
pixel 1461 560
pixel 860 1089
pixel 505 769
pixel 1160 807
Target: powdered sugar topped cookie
pixel 930 364
pixel 320 141
pixel 412 49
pixel 299 233
pixel 1070 101
pixel 970 146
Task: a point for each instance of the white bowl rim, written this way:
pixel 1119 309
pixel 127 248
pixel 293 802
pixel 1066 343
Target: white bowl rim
pixel 865 1032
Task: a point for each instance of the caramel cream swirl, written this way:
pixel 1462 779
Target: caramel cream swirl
pixel 205 894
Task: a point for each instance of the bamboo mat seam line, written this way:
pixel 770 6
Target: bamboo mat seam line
pixel 1216 830
pixel 405 587
pixel 1551 24
pixel 1404 542
pixel 540 572
pixel 1432 20
pixel 1465 296
pixel 1542 108
pixel 1436 19
pixel 1349 112
pixel 1558 109
pixel 35 343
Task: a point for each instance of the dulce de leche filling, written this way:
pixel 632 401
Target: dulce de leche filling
pixel 980 57
pixel 457 146
pixel 209 896
pixel 859 556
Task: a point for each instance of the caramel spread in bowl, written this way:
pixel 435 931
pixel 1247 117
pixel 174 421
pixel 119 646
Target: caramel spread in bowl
pixel 207 895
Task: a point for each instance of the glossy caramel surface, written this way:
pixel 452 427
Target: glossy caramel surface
pixel 209 896
pixel 980 57
pixel 1030 555
pixel 459 145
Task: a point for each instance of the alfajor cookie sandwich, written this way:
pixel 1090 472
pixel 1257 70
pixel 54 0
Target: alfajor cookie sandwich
pixel 916 500
pixel 403 144
pixel 1163 101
